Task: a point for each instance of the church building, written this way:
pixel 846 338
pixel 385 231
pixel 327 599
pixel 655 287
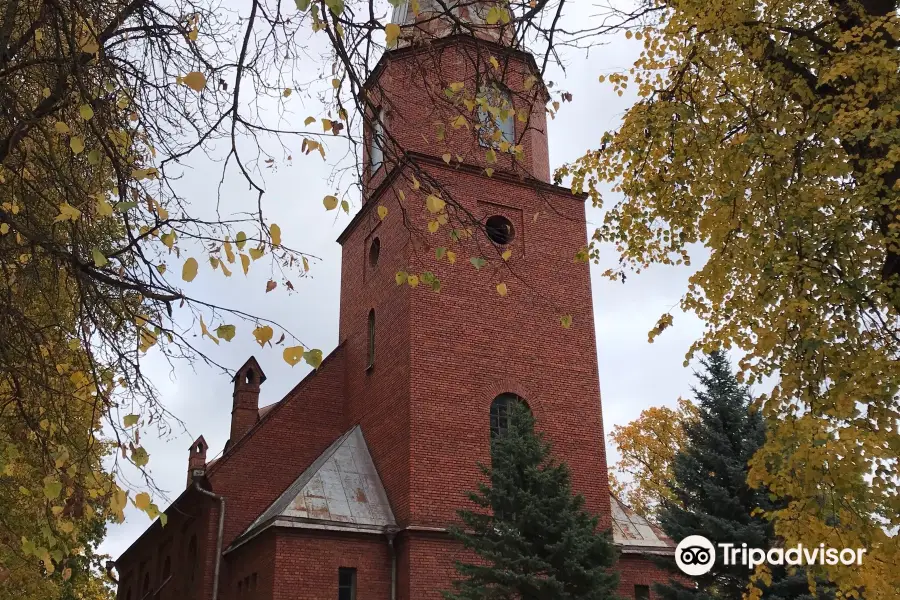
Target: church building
pixel 344 489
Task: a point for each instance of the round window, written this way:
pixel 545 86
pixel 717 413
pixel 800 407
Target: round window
pixel 374 252
pixel 499 229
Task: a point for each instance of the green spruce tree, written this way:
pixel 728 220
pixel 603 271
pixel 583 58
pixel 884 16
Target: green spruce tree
pixel 710 482
pixel 532 536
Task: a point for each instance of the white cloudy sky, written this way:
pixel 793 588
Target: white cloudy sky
pixel 634 374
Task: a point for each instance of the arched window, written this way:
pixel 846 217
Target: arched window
pixel 370 348
pixel 376 149
pixel 192 562
pixel 500 409
pixel 146 588
pixel 167 568
pixel 496 117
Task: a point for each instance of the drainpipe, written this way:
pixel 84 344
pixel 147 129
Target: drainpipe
pixel 391 534
pixel 219 536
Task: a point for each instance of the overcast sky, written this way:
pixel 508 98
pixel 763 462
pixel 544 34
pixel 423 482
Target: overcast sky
pixel 634 374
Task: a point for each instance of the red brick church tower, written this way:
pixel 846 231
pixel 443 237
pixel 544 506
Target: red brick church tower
pixel 344 488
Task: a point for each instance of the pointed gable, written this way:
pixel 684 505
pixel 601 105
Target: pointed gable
pixel 341 488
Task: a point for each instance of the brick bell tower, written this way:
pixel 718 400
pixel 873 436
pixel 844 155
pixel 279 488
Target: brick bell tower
pixel 425 367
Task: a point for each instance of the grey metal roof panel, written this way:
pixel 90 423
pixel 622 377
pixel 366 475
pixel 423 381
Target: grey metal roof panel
pixel 341 486
pixel 634 531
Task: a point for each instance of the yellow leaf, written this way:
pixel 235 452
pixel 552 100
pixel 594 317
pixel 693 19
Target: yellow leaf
pixel 447 158
pixel 67 212
pixel 502 289
pixel 99 259
pixel 226 332
pixel 433 226
pixel 4 228
pixel 229 253
pixel 494 62
pixel 382 212
pixel 286 92
pixel 206 333
pixel 530 81
pixel 192 35
pixel 195 80
pixel 263 334
pixel 451 256
pixel 457 86
pixel 392 32
pixel 412 280
pixel 86 112
pixel 142 500
pixel 434 204
pixel 275 232
pixel 245 263
pixel 104 208
pixel 161 268
pixel 506 255
pixel 309 121
pixel 330 202
pixel 77 145
pixel 257 253
pixel 566 321
pixel 61 127
pixel 335 83
pixel 400 277
pixel 293 355
pixel 189 270
pixel 240 240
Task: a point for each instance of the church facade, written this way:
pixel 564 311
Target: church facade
pixel 344 488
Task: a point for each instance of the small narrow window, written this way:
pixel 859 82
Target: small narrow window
pixel 346 583
pixel 192 561
pixel 376 149
pixel 167 568
pixel 374 252
pixel 642 592
pixel 240 587
pixel 253 582
pixel 370 362
pixel 146 588
pixel 500 409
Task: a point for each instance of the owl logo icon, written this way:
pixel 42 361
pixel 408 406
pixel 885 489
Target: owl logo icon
pixel 695 555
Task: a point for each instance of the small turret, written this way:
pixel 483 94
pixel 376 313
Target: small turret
pixel 197 460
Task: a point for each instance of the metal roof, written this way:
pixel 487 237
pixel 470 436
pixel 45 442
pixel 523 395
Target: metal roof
pixel 635 534
pixel 341 487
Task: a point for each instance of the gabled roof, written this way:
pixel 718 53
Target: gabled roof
pixel 340 489
pixel 634 534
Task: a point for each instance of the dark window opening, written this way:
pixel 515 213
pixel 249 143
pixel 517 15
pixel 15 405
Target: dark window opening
pixel 499 229
pixel 370 350
pixel 500 409
pixel 346 583
pixel 248 378
pixel 253 582
pixel 374 252
pixel 192 561
pixel 642 592
pixel 240 587
pixel 167 568
pixel 146 588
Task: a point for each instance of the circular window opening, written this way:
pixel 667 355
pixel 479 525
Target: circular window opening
pixel 499 230
pixel 374 252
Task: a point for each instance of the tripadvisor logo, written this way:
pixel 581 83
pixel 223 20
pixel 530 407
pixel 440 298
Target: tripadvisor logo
pixel 695 555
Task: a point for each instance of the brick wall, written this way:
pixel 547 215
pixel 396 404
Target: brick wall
pixel 638 570
pixel 306 565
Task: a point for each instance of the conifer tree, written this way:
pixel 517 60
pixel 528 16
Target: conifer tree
pixel 710 481
pixel 532 536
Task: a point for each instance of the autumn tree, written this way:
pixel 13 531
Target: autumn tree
pixel 647 447
pixel 764 146
pixel 712 497
pixel 531 534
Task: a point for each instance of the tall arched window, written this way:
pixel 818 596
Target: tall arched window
pixel 192 562
pixel 496 117
pixel 500 409
pixel 370 348
pixel 376 149
pixel 145 590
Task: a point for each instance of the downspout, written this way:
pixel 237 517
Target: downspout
pixel 219 536
pixel 391 534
